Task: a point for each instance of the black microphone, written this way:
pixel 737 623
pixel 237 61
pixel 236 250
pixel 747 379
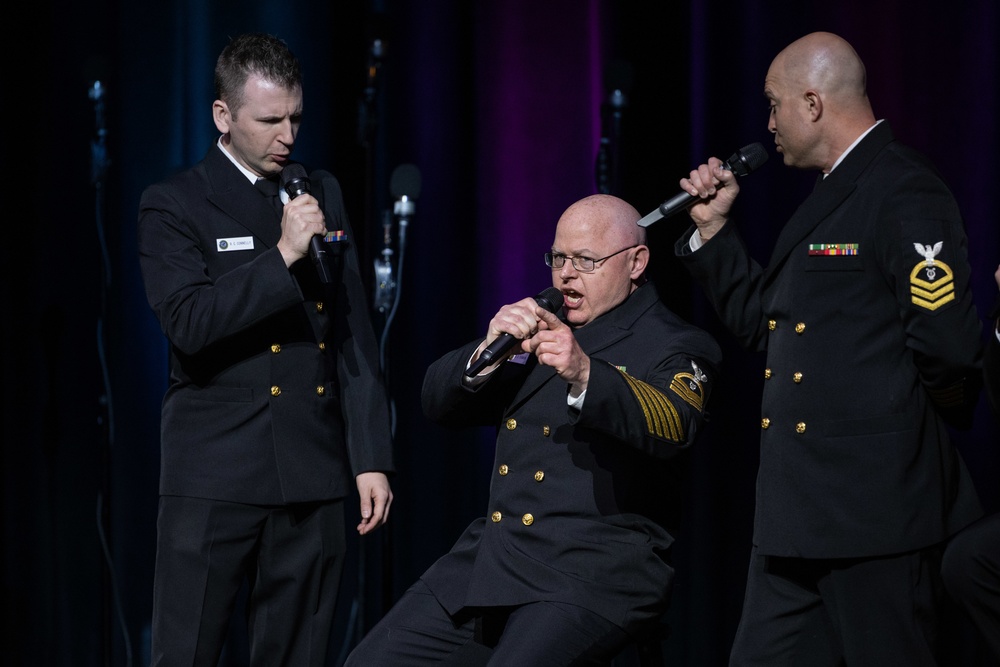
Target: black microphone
pixel 550 299
pixel 295 182
pixel 741 163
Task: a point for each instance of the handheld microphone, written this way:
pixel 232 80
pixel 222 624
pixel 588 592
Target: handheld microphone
pixel 741 163
pixel 295 182
pixel 551 299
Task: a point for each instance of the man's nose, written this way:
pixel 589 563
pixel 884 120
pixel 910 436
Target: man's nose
pixel 286 132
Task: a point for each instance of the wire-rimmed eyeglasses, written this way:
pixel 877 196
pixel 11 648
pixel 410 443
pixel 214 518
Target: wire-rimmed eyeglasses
pixel 556 260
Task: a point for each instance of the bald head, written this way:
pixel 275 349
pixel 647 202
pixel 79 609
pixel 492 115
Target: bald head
pixel 606 217
pixel 827 63
pixel 817 86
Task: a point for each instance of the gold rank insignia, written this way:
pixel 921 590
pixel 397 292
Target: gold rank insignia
pixel 689 386
pixel 662 418
pixel 932 282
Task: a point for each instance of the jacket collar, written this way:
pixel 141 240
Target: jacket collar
pixel 828 195
pixel 234 195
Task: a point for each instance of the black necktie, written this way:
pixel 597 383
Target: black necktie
pixel 269 188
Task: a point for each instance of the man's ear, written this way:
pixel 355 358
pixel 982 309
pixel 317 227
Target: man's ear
pixel 815 105
pixel 221 116
pixel 640 260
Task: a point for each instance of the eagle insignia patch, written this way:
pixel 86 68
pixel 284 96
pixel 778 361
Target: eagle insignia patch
pixel 932 282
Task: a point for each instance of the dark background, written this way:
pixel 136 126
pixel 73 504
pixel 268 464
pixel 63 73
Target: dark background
pixel 499 104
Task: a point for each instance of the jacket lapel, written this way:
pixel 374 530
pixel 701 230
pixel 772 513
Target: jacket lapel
pixel 234 195
pixel 827 196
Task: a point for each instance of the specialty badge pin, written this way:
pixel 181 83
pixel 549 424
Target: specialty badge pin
pixel 932 283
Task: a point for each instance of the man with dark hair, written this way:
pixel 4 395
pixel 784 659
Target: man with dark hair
pixel 872 347
pixel 275 407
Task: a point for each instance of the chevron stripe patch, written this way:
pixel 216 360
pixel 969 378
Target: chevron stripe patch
pixel 932 282
pixel 662 420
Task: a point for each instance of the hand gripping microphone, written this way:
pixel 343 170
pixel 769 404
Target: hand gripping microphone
pixel 295 182
pixel 550 299
pixel 741 163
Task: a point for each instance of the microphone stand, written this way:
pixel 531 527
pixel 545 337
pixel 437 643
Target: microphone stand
pixel 617 82
pixel 617 105
pixel 99 163
pixel 403 209
pixel 608 156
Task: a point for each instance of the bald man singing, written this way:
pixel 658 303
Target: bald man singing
pixel 593 413
pixel 872 345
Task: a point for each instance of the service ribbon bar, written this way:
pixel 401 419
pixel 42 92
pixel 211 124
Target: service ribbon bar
pixel 834 248
pixel 334 237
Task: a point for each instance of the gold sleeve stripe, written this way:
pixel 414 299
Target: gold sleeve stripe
pixel 662 420
pixel 681 385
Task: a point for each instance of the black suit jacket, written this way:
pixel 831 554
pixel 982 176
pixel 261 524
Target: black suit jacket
pixel 869 351
pixel 580 501
pixel 274 394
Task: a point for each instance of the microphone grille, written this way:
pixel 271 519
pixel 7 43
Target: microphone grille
pixel 405 182
pixel 551 299
pixel 748 159
pixel 292 172
pixel 294 180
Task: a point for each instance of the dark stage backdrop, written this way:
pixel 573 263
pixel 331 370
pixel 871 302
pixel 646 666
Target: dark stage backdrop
pixel 499 104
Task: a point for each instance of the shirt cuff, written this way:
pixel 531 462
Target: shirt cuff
pixel 695 241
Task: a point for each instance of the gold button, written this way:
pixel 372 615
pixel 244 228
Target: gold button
pixel 275 390
pixel 539 475
pixel 797 378
pixel 546 431
pixel 772 325
pixel 511 424
pixel 322 345
pixel 320 390
pixel 764 423
pixel 527 519
pixel 800 327
pixel 276 348
pixel 496 517
pixel 800 427
pixel 767 373
pixel 504 469
pixel 319 306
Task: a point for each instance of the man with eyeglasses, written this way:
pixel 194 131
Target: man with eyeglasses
pixel 593 410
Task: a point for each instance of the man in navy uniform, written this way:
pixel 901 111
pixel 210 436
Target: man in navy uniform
pixel 275 409
pixel 872 346
pixel 571 556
